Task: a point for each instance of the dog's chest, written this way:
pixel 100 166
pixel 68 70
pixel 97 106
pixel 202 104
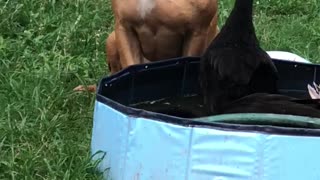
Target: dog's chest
pixel 169 13
pixel 145 7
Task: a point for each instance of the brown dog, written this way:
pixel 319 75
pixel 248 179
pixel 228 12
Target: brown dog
pixel 152 30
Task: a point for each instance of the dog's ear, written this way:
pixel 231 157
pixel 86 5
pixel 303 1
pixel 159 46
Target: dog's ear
pixel 314 91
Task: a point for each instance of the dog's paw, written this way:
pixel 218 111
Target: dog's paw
pixel 81 88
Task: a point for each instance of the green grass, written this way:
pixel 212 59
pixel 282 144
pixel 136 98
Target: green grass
pixel 49 47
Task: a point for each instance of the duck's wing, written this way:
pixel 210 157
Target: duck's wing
pixel 277 104
pixel 238 65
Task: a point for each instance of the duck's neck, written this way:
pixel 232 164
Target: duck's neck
pixel 240 21
pixel 245 6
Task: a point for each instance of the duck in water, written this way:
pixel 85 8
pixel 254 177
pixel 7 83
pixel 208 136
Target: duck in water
pixel 234 65
pixel 238 76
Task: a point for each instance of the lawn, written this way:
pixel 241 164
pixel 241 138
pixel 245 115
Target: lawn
pixel 49 47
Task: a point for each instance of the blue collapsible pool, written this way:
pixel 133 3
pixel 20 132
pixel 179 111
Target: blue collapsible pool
pixel 133 143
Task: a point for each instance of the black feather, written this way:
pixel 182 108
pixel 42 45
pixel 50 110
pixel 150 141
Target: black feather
pixel 274 103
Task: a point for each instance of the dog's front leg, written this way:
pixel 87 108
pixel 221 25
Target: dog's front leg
pixel 195 43
pixel 128 45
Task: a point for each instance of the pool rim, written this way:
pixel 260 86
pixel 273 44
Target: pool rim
pixel 194 122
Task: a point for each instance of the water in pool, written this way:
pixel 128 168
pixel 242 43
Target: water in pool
pixel 186 107
pixel 192 106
